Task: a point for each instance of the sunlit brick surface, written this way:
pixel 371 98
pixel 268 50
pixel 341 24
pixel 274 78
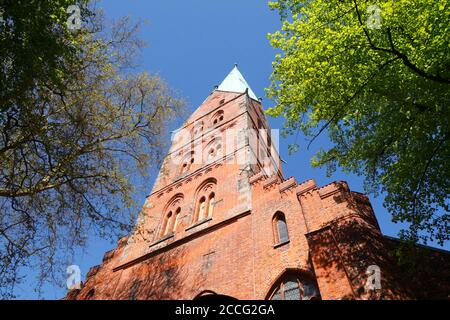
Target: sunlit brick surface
pixel 333 234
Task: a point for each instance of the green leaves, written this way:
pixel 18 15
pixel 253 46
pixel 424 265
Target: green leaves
pixel 36 46
pixel 381 94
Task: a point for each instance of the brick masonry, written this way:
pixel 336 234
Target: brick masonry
pixel 333 233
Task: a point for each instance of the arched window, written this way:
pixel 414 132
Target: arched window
pixel 213 150
pixel 293 287
pixel 211 204
pixel 217 117
pixel 280 228
pixel 170 222
pixel 187 163
pixel 198 129
pixel 206 196
pixel 171 218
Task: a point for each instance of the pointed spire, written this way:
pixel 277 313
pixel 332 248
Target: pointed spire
pixel 235 82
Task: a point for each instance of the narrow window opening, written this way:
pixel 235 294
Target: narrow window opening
pixel 175 220
pixel 211 204
pixel 201 209
pixel 280 228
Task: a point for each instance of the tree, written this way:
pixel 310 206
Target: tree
pixel 77 125
pixel 37 47
pixel 375 75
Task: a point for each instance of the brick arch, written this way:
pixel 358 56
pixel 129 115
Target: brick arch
pixel 203 194
pixel 204 185
pixel 185 158
pixel 171 214
pixel 279 215
pixel 211 296
pixel 300 272
pixel 204 293
pixel 217 117
pixel 197 128
pixel 178 198
pixel 213 143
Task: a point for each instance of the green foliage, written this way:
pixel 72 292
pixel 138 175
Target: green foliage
pixel 37 47
pixel 77 126
pixel 382 94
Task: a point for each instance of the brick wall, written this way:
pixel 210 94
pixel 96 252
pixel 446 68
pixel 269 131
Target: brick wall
pixel 333 233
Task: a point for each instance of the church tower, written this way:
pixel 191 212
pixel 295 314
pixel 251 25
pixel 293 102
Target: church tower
pixel 223 219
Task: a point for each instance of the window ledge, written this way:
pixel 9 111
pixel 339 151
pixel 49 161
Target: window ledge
pixel 281 244
pixel 198 223
pixel 166 237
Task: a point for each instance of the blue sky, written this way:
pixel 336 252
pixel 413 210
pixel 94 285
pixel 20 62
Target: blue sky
pixel 193 45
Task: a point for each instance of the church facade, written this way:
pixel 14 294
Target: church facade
pixel 223 219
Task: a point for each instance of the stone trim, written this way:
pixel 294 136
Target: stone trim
pixel 288 184
pixel 166 237
pixel 281 244
pixel 306 186
pixel 271 181
pixel 198 223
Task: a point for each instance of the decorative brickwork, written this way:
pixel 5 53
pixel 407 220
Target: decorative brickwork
pixel 209 224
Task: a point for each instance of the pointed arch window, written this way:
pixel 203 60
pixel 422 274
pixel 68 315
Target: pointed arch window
pixel 281 234
pixel 295 287
pixel 211 199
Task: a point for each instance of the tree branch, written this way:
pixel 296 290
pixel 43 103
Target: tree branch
pixel 399 54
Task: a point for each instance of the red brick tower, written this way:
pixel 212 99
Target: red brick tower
pixel 223 219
